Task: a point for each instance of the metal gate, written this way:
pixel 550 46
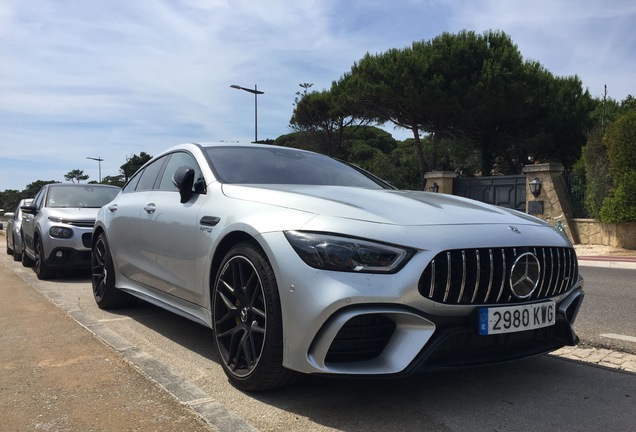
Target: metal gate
pixel 504 191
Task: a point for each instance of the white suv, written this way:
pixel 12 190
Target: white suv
pixel 57 226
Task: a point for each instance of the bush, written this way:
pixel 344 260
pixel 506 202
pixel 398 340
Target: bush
pixel 621 145
pixel 621 207
pixel 598 180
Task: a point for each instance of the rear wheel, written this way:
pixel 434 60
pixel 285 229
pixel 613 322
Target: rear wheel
pixel 106 295
pixel 247 321
pixel 26 259
pixel 42 269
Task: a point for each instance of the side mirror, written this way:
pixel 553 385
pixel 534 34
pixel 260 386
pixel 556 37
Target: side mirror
pixel 183 179
pixel 29 209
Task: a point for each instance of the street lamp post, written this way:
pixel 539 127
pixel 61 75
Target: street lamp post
pixel 99 162
pixel 255 92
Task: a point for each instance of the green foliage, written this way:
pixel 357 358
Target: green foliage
pixel 621 206
pixel 477 91
pixel 114 180
pixel 598 179
pixel 10 198
pixel 133 163
pixel 75 176
pixel 621 145
pixel 620 139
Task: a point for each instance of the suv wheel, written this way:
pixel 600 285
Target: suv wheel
pixel 42 269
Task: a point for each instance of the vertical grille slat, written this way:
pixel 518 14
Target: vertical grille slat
pixel 491 274
pixel 461 289
pixel 503 274
pixel 477 276
pixel 448 275
pixel 482 276
pixel 432 289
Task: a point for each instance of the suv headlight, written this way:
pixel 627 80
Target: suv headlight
pixel 61 232
pixel 331 252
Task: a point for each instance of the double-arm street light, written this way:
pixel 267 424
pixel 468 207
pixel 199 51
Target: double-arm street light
pixel 255 92
pixel 99 162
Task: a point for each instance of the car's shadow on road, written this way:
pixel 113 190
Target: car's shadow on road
pixel 544 393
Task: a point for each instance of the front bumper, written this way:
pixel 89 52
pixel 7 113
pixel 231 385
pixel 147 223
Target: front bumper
pixel 70 253
pixel 380 341
pixel 460 345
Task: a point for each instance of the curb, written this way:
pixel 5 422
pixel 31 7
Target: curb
pixel 606 261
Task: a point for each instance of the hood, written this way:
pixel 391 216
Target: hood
pixel 406 208
pixel 73 213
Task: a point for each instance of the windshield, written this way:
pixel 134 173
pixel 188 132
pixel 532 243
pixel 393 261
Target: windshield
pixel 277 165
pixel 80 196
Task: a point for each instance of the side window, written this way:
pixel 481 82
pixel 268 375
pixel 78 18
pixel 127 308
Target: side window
pixel 149 175
pixel 39 199
pixel 132 183
pixel 177 160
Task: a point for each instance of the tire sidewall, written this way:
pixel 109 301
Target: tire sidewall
pixel 271 355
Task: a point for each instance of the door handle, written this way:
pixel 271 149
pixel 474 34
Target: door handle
pixel 150 208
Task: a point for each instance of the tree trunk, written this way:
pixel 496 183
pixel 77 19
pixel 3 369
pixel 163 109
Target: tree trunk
pixel 436 139
pixel 420 157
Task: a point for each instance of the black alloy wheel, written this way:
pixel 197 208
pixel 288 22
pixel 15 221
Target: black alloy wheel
pixel 106 295
pixel 42 269
pixel 247 321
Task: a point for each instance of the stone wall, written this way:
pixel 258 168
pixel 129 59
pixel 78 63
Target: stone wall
pixel 594 232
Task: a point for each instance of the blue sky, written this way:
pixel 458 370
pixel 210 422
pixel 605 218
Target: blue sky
pixel 113 78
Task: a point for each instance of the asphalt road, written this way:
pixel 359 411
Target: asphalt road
pixel 545 393
pixel 609 309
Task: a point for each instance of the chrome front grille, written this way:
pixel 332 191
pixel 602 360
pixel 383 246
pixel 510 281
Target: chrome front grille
pixel 482 276
pixel 83 223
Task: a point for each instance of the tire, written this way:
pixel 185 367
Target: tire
pixel 247 321
pixel 106 294
pixel 17 256
pixel 26 260
pixel 42 270
pixel 9 250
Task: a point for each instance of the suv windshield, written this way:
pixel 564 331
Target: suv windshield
pixel 262 165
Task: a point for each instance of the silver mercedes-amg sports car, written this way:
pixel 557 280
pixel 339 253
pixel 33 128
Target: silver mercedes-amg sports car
pixel 302 264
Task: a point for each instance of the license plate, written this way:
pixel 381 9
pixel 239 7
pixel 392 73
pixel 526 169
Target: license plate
pixel 510 319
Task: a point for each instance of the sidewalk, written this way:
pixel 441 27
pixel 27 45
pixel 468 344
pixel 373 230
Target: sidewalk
pixel 605 256
pixel 56 376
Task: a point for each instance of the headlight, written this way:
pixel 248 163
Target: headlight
pixel 61 232
pixel 330 252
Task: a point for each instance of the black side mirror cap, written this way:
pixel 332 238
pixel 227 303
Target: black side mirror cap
pixel 183 179
pixel 29 209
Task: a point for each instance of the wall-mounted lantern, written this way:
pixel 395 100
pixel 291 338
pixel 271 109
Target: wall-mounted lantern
pixel 535 187
pixel 434 188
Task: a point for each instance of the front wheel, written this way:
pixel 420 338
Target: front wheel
pixel 42 269
pixel 247 321
pixel 106 295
